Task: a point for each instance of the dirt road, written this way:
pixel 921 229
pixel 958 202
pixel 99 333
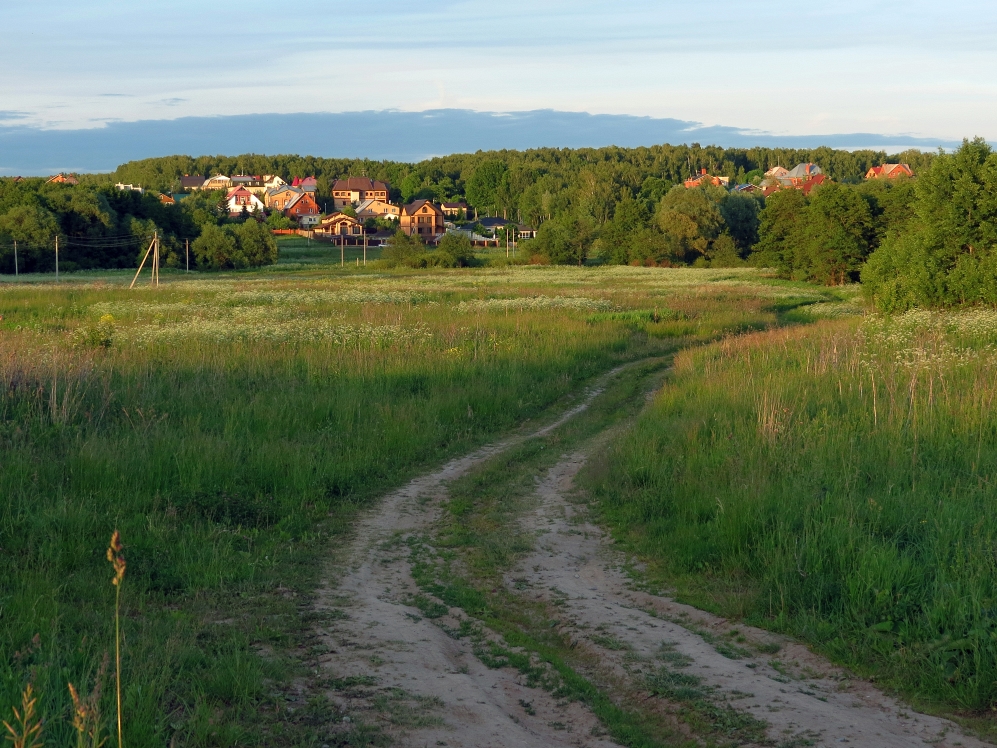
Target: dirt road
pixel 389 668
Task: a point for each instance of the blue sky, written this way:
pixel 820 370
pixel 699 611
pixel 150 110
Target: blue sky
pixel 778 66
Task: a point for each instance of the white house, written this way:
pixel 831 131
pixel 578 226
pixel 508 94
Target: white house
pixel 239 198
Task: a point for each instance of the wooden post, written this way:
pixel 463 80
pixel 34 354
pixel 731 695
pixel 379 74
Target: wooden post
pixel 15 258
pixel 342 250
pixel 142 264
pixel 187 252
pixel 365 247
pixel 56 258
pixel 155 260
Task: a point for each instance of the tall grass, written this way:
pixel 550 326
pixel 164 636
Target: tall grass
pixel 835 482
pixel 230 427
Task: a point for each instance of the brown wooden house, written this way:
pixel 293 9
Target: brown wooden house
pixel 423 219
pixel 339 227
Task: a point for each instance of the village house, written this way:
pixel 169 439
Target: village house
pixel 373 208
pixel 525 232
pixel 167 199
pixel 308 184
pixel 191 182
pixel 800 173
pixel 339 227
pixel 776 171
pixel 423 219
pixel 278 198
pixel 61 178
pixel 239 198
pixel 129 188
pixel 304 210
pixel 217 182
pixel 889 171
pixel 454 210
pixel 703 178
pixel 358 189
pixel 494 224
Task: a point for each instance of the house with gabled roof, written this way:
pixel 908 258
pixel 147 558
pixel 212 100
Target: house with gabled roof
pixel 278 198
pixel 454 210
pixel 889 171
pixel 239 199
pixel 191 182
pixel 303 209
pixel 374 208
pixel 703 178
pixel 422 218
pixel 61 178
pixel 339 227
pixel 354 190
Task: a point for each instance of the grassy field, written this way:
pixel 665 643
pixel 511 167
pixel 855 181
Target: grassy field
pixel 834 482
pixel 232 425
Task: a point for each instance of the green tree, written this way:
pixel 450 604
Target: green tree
pixel 691 220
pixel 616 237
pixel 217 249
pixel 836 236
pixel 404 250
pixel 256 244
pixel 778 230
pixel 945 255
pixel 455 250
pixel 482 188
pixel 564 241
pixel 740 214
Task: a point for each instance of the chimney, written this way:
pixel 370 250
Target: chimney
pixel 703 172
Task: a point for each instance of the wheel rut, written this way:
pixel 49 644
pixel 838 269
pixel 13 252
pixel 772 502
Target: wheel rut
pixel 384 664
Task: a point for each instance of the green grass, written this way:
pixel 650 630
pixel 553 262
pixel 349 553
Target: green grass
pixel 835 482
pixel 231 430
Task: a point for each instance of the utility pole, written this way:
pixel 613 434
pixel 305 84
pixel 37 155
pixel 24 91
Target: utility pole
pixel 365 247
pixel 56 258
pixel 187 253
pixel 342 251
pixel 15 258
pixel 142 264
pixel 155 260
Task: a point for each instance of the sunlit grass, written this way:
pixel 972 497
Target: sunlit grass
pixel 835 482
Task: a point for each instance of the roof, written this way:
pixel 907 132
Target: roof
pixel 237 191
pixel 777 171
pixel 454 205
pixel 489 223
pixel 356 184
pixel 337 217
pixel 813 182
pixel 804 170
pixel 191 180
pixel 271 191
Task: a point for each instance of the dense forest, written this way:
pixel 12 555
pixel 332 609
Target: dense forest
pixel 620 205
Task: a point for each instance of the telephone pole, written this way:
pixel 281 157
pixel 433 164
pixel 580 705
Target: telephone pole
pixel 15 258
pixel 56 258
pixel 187 253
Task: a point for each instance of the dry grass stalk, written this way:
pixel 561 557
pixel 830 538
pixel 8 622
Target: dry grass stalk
pixel 26 732
pixel 86 712
pixel 118 561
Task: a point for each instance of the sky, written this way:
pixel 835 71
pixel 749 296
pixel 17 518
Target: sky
pixel 779 67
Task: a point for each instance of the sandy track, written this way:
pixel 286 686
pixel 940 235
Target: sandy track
pixel 798 693
pixel 421 685
pixel 388 665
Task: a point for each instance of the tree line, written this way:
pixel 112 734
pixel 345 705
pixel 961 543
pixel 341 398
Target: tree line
pixel 99 226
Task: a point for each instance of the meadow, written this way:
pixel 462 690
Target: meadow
pixel 834 482
pixel 232 425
